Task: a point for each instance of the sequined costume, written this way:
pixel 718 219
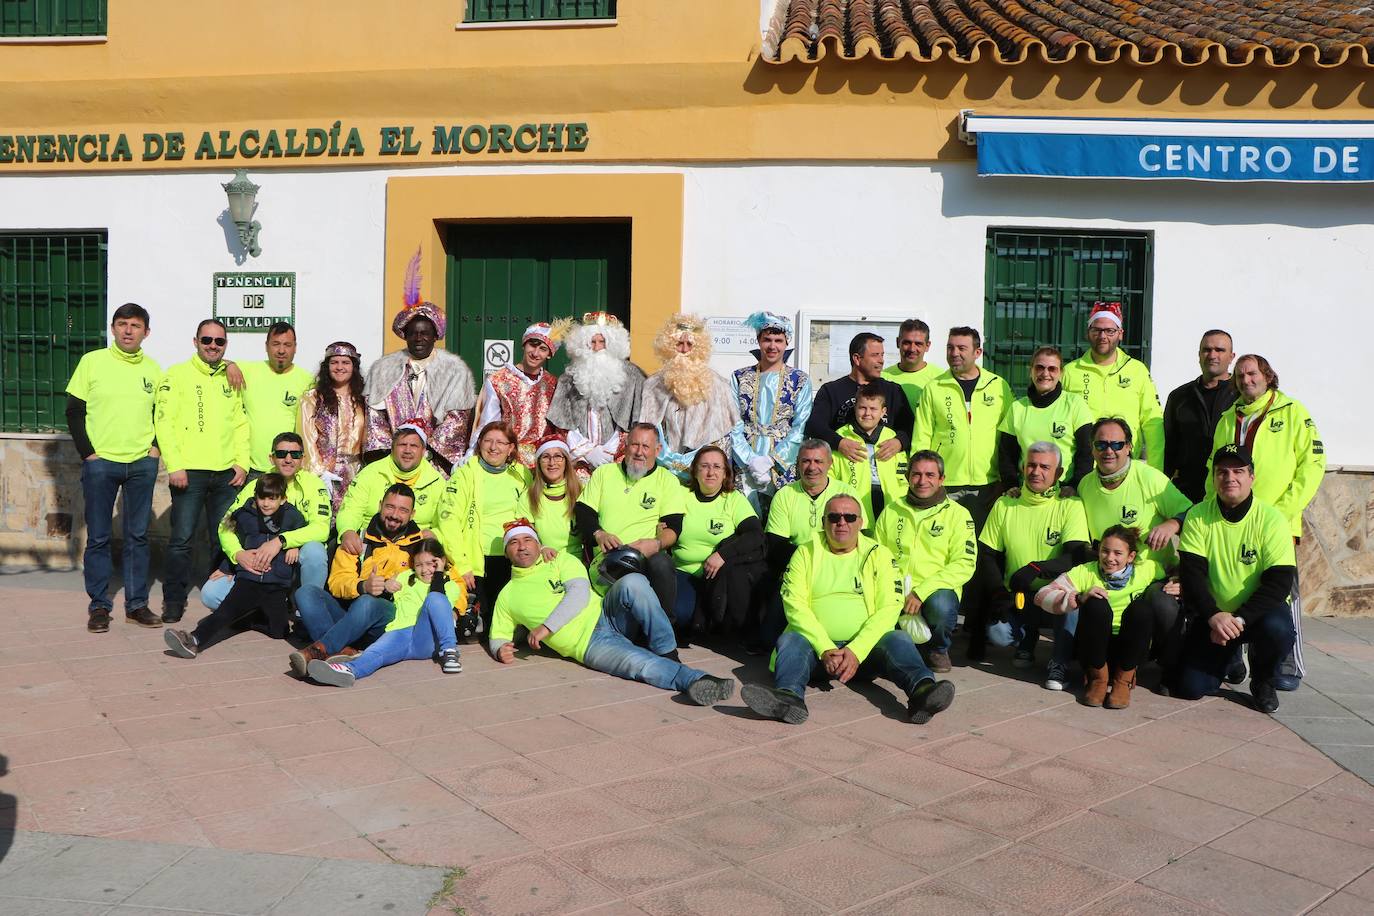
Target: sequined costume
pixel 333 449
pixel 691 405
pixel 774 408
pixel 522 402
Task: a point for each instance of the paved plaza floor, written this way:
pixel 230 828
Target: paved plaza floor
pixel 138 783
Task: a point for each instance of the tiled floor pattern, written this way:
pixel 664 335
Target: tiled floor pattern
pixel 559 790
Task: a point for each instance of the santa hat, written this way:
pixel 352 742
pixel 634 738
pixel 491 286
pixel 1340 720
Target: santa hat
pixel 517 527
pixel 419 426
pixel 549 443
pixel 1108 310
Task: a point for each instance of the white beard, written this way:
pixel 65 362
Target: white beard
pixel 598 376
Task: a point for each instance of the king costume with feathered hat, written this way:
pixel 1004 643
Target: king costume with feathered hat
pixel 437 389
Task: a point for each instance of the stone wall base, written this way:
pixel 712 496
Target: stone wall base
pixel 1335 569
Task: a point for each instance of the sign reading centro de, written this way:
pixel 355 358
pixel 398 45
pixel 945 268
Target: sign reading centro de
pixel 336 140
pixel 1199 150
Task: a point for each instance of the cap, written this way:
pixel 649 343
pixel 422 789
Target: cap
pixel 1108 310
pixel 419 426
pixel 1234 454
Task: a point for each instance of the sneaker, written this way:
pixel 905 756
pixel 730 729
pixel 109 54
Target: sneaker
pixel 1289 682
pixel 182 644
pixel 1024 658
pixel 469 624
pixel 939 662
pixel 332 674
pixel 99 622
pixel 448 661
pixel 708 691
pixel 301 658
pixel 1236 671
pixel 1056 676
pixel 772 703
pixel 1266 699
pixel 171 613
pixel 143 618
pixel 928 699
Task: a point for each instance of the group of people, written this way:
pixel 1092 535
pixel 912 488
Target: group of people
pixel 613 517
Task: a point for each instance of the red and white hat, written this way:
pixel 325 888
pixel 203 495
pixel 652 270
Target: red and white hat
pixel 419 426
pixel 517 527
pixel 542 332
pixel 549 443
pixel 1108 310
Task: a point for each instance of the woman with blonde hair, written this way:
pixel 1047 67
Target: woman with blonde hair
pixel 553 494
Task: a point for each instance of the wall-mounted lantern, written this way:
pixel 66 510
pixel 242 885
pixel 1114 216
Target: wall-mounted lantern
pixel 243 196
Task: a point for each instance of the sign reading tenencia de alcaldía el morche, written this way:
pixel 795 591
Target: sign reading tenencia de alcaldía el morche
pixel 332 141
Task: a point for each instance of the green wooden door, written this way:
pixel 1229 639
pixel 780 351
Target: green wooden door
pixel 1040 287
pixel 503 278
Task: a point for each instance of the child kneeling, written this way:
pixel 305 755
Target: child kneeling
pixel 425 604
pixel 263 518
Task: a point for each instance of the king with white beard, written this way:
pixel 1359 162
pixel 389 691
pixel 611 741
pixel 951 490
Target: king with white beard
pixel 598 397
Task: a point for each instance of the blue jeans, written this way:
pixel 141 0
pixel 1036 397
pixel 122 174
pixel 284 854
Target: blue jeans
pixel 686 604
pixel 312 567
pixel 1033 619
pixel 941 611
pixel 630 613
pixel 432 632
pixel 207 492
pixel 1204 663
pixel 894 657
pixel 327 622
pixel 101 481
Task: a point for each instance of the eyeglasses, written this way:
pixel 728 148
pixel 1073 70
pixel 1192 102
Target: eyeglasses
pixel 1102 445
pixel 1104 332
pixel 835 518
pixel 287 453
pixel 213 341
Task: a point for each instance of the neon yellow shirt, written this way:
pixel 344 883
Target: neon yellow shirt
pixel 554 526
pixel 965 439
pixel 912 383
pixel 796 515
pixel 119 390
pixel 1056 423
pixel 1290 459
pixel 705 524
pixel 1143 574
pixel 858 475
pixel 475 508
pixel 1124 389
pixel 411 598
pixel 1144 499
pixel 935 547
pixel 1237 553
pixel 532 595
pixel 830 598
pixel 200 421
pixel 364 495
pixel 631 511
pixel 273 403
pixel 1033 527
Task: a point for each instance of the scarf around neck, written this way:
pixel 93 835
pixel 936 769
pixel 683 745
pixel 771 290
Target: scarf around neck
pixel 1118 581
pixel 1118 475
pixel 1043 400
pixel 933 499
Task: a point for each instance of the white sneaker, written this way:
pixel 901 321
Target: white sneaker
pixel 448 661
pixel 1055 676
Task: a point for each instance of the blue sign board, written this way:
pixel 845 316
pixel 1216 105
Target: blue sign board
pixel 1205 158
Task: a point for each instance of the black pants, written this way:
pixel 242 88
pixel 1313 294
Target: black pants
pixel 495 576
pixel 977 500
pixel 245 599
pixel 732 601
pixel 662 576
pixel 1203 665
pixel 1126 649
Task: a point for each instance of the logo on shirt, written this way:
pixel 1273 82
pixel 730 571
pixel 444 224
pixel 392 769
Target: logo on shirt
pixel 716 527
pixel 989 399
pixel 228 392
pixel 1052 537
pixel 148 389
pixel 1275 424
pixel 647 501
pixel 1123 381
pixel 289 400
pixel 1318 448
pixel 1248 554
pixel 557 586
pixel 1057 430
pixel 1128 515
pixel 936 529
pixel 1308 423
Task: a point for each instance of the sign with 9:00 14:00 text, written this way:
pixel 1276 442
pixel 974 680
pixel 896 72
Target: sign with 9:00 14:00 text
pixel 253 302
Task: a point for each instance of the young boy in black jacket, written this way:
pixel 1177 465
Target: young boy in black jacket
pixel 266 516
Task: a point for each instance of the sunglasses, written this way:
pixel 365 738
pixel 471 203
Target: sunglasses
pixel 287 453
pixel 835 518
pixel 1102 445
pixel 213 341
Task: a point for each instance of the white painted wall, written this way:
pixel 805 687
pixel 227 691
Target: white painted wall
pixel 1284 267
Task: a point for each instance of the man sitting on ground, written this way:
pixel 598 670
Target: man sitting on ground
pixel 358 603
pixel 553 599
pixel 842 595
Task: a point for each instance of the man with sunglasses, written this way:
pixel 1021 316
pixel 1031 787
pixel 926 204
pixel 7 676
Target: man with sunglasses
pixel 309 495
pixel 1123 491
pixel 842 595
pixel 272 392
pixel 1115 384
pixel 202 430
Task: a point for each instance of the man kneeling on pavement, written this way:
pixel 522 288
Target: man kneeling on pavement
pixel 550 595
pixel 842 594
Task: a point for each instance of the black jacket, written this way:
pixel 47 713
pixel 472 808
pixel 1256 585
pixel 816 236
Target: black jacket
pixel 833 407
pixel 1188 430
pixel 254 530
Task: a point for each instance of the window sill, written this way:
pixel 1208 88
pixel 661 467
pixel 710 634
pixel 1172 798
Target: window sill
pixel 54 40
pixel 535 24
pixel 37 436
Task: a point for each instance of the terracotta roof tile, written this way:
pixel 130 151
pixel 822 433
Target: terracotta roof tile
pixel 1275 33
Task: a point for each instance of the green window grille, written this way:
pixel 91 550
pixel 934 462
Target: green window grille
pixel 535 10
pixel 52 18
pixel 1040 287
pixel 52 311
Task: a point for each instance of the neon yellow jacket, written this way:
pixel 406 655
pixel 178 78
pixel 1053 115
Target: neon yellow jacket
pixel 935 548
pixel 364 494
pixel 882 595
pixel 858 476
pixel 967 445
pixel 200 421
pixel 1290 459
pixel 461 520
pixel 307 493
pixel 1126 390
